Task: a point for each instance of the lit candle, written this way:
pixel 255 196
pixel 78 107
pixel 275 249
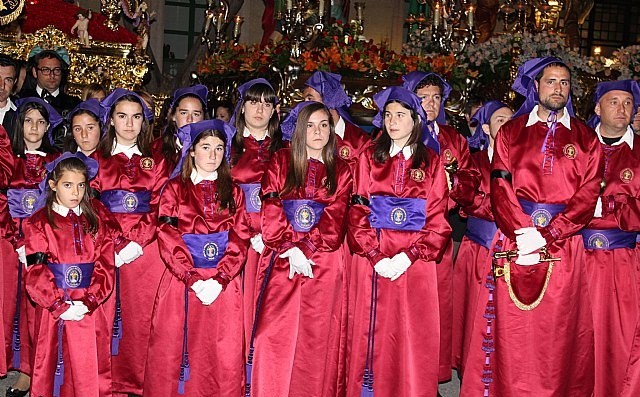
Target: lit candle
pixel 220 21
pixel 436 16
pixel 320 8
pixel 289 4
pixel 359 9
pixel 470 16
pixel 236 27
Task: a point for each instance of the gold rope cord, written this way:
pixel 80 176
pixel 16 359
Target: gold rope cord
pixel 514 298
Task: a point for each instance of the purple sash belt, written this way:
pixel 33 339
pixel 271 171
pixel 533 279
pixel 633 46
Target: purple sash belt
pixel 541 214
pixel 22 202
pixel 302 214
pixel 126 202
pixel 206 249
pixel 608 239
pixel 398 213
pixel 251 196
pixel 481 231
pixel 71 275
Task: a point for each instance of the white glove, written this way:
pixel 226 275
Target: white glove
pixel 598 212
pixel 298 262
pixel 528 259
pixel 198 286
pixel 75 312
pixel 22 256
pixel 385 268
pixel 529 240
pixel 400 263
pixel 209 290
pixel 118 261
pixel 257 244
pixel 131 252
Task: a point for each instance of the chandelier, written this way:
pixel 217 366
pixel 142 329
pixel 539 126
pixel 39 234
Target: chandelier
pixel 533 16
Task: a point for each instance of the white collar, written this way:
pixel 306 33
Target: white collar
pixel 178 143
pixel 128 151
pixel 436 128
pixel 9 106
pixel 40 89
pixel 490 153
pixel 64 211
pixel 197 178
pixel 340 127
pixel 246 133
pixel 320 159
pixel 39 153
pixel 534 118
pixel 626 138
pixel 407 150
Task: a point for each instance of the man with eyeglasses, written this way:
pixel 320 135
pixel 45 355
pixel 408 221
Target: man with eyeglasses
pixel 47 81
pixel 8 75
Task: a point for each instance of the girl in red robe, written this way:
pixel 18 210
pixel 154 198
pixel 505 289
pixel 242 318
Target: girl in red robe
pixel 306 190
pixel 129 179
pixel 32 146
pixel 258 137
pixel 196 345
pixel 70 274
pixel 398 230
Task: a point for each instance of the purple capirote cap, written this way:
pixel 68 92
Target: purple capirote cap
pixel 190 132
pixel 198 90
pixel 90 105
pixel 329 86
pixel 288 126
pixel 54 117
pixel 242 90
pixel 413 79
pixel 524 84
pixel 410 99
pixel 630 86
pixel 479 139
pixel 108 102
pixel 92 171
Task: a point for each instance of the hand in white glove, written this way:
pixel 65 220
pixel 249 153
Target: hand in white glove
pixel 22 256
pixel 529 240
pixel 118 261
pixel 198 286
pixel 298 262
pixel 400 263
pixel 257 244
pixel 598 212
pixel 385 268
pixel 209 290
pixel 131 252
pixel 528 259
pixel 75 312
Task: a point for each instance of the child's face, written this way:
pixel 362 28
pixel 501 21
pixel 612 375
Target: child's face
pixel 208 154
pixel 86 132
pixel 127 120
pixel 34 127
pixel 69 188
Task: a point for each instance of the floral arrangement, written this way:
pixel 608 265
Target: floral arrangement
pixel 627 61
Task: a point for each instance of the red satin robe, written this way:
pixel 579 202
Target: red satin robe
pixel 297 346
pixel 7 235
pixel 613 275
pixel 215 339
pixel 407 328
pixel 139 279
pixel 352 143
pixel 249 168
pixel 86 343
pixel 469 271
pixel 547 351
pixel 28 173
pixel 453 146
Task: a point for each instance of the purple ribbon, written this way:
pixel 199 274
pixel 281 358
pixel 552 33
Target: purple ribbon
pixel 608 239
pixel 126 202
pixel 22 202
pixel 206 249
pixel 302 214
pixel 58 376
pixel 388 212
pixel 116 335
pixel 185 368
pixel 252 196
pixel 548 145
pixel 481 231
pixel 71 275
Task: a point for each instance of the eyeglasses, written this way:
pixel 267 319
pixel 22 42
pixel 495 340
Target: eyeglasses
pixel 47 71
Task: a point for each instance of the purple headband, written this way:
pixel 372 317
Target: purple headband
pixel 288 126
pixel 200 91
pixel 110 101
pixel 413 79
pixel 630 86
pixel 410 99
pixel 92 171
pixel 90 105
pixel 242 90
pixel 524 84
pixel 54 117
pixel 190 132
pixel 328 85
pixel 479 139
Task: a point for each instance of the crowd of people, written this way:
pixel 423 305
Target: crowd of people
pixel 245 252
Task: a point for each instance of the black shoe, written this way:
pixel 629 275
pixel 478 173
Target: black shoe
pixel 11 392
